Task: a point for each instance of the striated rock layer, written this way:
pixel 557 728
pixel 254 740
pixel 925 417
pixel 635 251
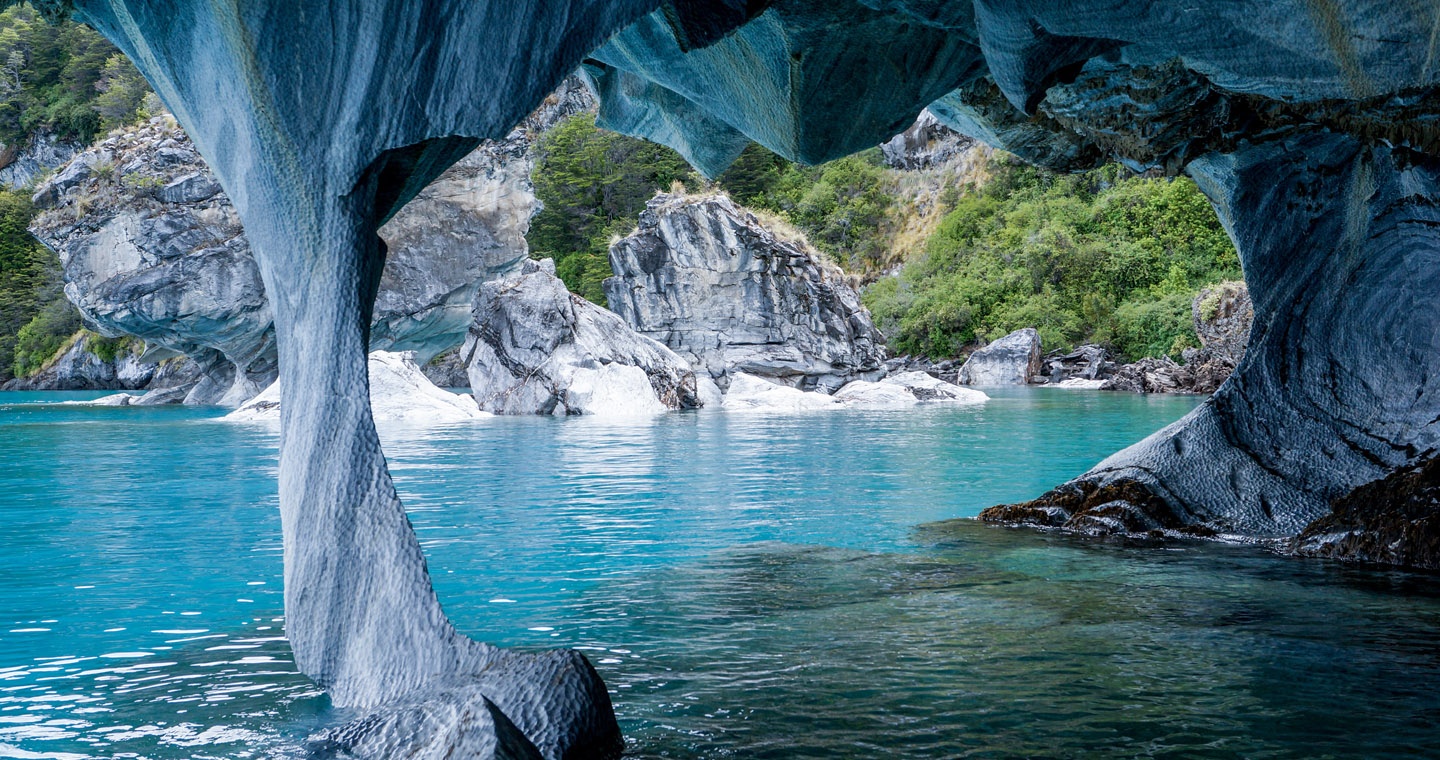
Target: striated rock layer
pixel 152 247
pixel 707 279
pixel 537 348
pixel 1310 125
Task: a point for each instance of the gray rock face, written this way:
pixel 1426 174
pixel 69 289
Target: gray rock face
pixel 536 348
pixel 1011 360
pixel 78 368
pixel 152 247
pixel 707 279
pixel 926 144
pixel 20 166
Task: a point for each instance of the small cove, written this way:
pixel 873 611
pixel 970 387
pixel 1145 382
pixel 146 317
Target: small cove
pixel 748 585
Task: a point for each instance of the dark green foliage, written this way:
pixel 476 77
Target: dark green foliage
pixel 61 77
pixel 29 282
pixel 841 205
pixel 44 335
pixel 109 349
pixel 1102 256
pixel 594 184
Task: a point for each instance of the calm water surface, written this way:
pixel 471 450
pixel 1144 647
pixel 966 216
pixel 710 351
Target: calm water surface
pixel 749 586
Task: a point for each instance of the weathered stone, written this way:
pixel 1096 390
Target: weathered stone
pixel 709 280
pixel 22 166
pixel 160 253
pixel 400 394
pixel 1394 520
pixel 78 368
pixel 1011 360
pixel 537 348
pixel 926 144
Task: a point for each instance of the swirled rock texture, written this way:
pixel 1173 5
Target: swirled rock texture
pixel 152 247
pixel 709 280
pixel 1311 126
pixel 537 348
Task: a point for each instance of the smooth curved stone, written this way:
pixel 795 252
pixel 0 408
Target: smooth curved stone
pixel 1340 384
pixel 778 79
pixel 1011 360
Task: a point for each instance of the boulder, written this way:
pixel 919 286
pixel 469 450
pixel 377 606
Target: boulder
pixel 905 389
pixel 537 348
pixel 749 393
pixel 399 394
pixel 711 281
pixel 1011 360
pixel 1086 364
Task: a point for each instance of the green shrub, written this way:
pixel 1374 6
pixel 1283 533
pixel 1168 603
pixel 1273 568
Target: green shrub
pixel 109 349
pixel 40 339
pixel 1059 253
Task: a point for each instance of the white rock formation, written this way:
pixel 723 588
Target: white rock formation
pixel 536 348
pixel 749 393
pixel 1011 360
pixel 906 389
pixel 399 394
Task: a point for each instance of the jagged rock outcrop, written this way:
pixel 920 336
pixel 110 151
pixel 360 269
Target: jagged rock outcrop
pixel 1011 360
pixel 1222 315
pixel 78 367
pixel 537 348
pixel 152 247
pixel 926 144
pixel 708 279
pixel 1086 366
pixel 22 165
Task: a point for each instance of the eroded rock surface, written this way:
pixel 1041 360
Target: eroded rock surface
pixel 1222 316
pixel 709 280
pixel 537 348
pixel 22 165
pixel 152 247
pixel 1011 360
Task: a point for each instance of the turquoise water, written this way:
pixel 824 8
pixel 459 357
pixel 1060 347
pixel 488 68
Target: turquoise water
pixel 749 587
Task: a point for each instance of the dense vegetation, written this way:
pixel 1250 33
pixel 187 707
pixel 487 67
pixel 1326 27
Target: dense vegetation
pixel 1098 257
pixel 35 318
pixel 593 184
pixel 62 78
pixel 1103 257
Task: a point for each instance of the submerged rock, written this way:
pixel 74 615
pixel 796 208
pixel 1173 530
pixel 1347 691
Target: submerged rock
pixel 1011 360
pixel 749 393
pixel 537 348
pixel 399 393
pixel 711 281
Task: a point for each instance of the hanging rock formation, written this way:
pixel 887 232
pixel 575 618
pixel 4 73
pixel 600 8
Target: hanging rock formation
pixel 537 348
pixel 707 279
pixel 1310 125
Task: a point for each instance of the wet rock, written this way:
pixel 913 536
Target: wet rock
pixel 536 348
pixel 1088 362
pixel 709 280
pixel 1394 521
pixel 1011 360
pixel 1117 507
pixel 906 389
